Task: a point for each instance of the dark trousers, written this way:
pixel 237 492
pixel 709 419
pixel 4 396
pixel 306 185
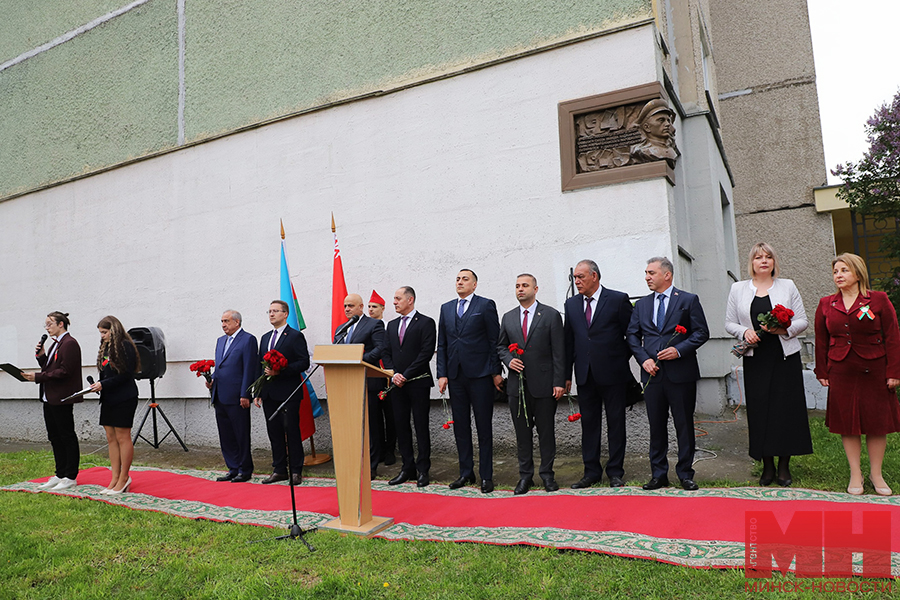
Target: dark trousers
pixel 60 422
pixel 592 399
pixel 476 395
pixel 662 396
pixel 276 429
pixel 386 413
pixel 541 415
pixel 413 401
pixel 376 426
pixel 233 423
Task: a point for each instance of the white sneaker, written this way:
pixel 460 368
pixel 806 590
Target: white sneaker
pixel 50 483
pixel 64 484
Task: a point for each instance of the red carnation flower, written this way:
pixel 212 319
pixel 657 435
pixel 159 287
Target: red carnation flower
pixel 680 329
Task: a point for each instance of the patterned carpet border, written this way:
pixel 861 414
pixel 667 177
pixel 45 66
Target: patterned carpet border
pixel 689 553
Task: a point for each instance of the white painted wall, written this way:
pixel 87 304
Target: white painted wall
pixel 459 173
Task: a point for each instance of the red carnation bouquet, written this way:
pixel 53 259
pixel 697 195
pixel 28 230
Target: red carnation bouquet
pixel 573 414
pixel 274 360
pixel 204 368
pixel 448 422
pixel 679 330
pixel 517 352
pixel 778 317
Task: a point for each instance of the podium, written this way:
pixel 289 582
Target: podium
pixel 345 384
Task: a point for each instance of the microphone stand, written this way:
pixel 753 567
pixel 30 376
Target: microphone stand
pixel 296 532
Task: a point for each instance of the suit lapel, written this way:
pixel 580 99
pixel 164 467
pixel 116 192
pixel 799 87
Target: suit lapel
pixel 674 303
pixel 534 319
pixel 601 302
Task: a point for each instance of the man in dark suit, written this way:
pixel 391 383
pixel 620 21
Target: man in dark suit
pixel 408 348
pixel 538 330
pixel 60 377
pixel 386 408
pixel 292 345
pixel 370 333
pixel 236 369
pixel 596 320
pixel 467 361
pixel 668 360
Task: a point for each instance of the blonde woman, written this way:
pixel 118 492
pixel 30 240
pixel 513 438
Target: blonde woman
pixel 773 373
pixel 118 362
pixel 858 360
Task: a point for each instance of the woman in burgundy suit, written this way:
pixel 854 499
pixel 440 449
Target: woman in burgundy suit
pixel 858 359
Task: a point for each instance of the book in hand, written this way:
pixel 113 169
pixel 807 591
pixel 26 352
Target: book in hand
pixel 13 370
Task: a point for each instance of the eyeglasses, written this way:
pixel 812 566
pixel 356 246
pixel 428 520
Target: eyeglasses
pixel 49 324
pixel 272 312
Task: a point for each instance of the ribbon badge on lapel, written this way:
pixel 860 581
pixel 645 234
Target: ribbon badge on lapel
pixel 864 312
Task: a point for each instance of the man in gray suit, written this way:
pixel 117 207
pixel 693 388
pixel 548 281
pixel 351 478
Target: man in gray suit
pixel 536 329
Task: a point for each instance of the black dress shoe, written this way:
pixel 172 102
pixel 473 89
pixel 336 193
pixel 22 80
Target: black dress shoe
pixel 242 478
pixel 389 459
pixel 487 486
pixel 689 484
pixel 227 477
pixel 550 485
pixel 400 478
pixel 296 479
pixel 523 486
pixel 656 482
pixel 423 480
pixel 785 482
pixel 585 482
pixel 766 480
pixel 275 477
pixel 616 482
pixel 462 481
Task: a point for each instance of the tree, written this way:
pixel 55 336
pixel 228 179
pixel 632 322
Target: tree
pixel 872 185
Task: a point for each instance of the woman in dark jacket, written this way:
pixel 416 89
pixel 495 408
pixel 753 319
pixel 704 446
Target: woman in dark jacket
pixel 118 362
pixel 858 359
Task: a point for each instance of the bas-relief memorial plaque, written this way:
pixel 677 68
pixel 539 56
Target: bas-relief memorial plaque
pixel 618 136
pixel 625 135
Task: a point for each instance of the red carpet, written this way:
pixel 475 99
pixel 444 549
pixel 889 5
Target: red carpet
pixel 701 529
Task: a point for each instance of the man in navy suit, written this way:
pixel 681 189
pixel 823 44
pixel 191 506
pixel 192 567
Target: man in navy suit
pixel 467 361
pixel 596 321
pixel 370 333
pixel 408 348
pixel 669 362
pixel 292 345
pixel 236 369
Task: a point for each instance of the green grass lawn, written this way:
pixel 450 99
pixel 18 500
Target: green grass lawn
pixel 58 547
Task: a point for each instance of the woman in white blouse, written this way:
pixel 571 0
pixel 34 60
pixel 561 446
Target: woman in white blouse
pixel 773 374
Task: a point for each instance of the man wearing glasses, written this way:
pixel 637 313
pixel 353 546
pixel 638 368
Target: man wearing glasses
pixel 292 345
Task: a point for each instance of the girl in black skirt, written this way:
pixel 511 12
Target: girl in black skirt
pixel 118 362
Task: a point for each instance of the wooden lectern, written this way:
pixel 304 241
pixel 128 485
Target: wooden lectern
pixel 345 385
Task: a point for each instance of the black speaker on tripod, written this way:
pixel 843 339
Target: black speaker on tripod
pixel 151 347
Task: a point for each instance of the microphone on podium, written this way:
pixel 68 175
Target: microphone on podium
pixel 341 332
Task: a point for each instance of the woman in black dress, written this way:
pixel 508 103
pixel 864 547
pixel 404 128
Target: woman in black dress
pixel 118 362
pixel 773 373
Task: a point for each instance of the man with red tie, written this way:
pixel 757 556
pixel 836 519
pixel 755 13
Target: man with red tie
pixel 596 321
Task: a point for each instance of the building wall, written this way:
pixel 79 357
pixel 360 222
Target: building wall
pixel 773 138
pixel 158 74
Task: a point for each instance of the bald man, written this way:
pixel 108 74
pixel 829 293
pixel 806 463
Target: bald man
pixel 370 333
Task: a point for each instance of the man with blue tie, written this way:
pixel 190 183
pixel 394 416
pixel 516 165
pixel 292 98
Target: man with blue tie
pixel 467 362
pixel 283 430
pixel 596 320
pixel 666 329
pixel 370 333
pixel 236 370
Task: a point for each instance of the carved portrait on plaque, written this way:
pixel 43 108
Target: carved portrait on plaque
pixel 625 135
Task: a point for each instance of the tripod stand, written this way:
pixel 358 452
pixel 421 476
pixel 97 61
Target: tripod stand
pixel 156 408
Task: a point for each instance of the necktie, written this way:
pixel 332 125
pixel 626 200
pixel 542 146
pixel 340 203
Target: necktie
pixel 402 328
pixel 661 311
pixel 227 346
pixel 525 327
pixel 461 309
pixel 272 340
pixel 349 334
pixel 587 311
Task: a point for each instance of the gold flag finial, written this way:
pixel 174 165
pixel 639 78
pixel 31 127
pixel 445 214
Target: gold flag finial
pixel 333 228
pixel 282 228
